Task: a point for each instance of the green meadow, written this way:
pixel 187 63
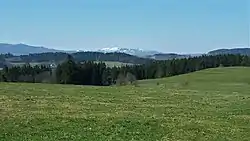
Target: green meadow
pixel 212 104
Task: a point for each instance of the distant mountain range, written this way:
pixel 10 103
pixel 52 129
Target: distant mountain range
pixel 147 53
pixel 23 49
pixel 135 52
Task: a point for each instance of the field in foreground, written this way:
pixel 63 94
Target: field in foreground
pixel 213 104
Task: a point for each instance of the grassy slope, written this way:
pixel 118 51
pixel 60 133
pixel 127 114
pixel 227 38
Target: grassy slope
pixel 108 63
pixel 206 105
pixel 32 64
pixel 115 64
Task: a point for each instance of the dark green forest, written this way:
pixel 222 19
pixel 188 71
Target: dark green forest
pixel 78 57
pixel 91 73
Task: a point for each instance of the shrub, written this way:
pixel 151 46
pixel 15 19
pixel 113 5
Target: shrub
pixel 121 80
pixel 130 78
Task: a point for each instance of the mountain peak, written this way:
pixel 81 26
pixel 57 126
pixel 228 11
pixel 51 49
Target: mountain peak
pixel 242 51
pixel 111 49
pixel 136 52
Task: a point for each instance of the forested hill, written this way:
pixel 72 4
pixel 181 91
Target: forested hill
pixel 79 57
pixel 58 57
pixel 241 51
pixel 168 56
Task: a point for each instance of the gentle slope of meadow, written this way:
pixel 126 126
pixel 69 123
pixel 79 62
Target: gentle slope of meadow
pixel 212 104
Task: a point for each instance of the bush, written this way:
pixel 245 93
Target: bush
pixel 130 78
pixel 121 80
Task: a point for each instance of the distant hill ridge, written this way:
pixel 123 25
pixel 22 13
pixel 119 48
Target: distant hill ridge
pixel 242 51
pixel 167 56
pixel 136 52
pixel 78 56
pixel 23 49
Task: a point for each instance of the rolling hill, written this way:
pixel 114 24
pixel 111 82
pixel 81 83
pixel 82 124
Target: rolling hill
pixel 115 64
pixel 168 56
pixel 23 49
pixel 242 51
pixel 27 53
pixel 212 104
pixel 78 56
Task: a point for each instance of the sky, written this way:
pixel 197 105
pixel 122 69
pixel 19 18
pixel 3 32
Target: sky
pixel 181 26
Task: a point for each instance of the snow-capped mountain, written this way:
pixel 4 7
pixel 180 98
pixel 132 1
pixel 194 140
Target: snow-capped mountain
pixel 135 52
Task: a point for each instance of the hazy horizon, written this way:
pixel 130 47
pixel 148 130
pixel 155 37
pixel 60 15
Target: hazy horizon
pixel 162 25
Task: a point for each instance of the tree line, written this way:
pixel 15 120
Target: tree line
pixel 26 73
pixel 92 73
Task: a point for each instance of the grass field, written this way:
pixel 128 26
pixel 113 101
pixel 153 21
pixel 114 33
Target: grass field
pixel 108 63
pixel 115 64
pixel 32 63
pixel 213 104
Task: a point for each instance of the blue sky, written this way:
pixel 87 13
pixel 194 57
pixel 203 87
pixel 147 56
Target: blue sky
pixel 183 26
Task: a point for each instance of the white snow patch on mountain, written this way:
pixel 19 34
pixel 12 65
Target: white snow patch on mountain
pixel 137 52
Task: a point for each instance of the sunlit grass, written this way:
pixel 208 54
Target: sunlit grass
pixel 213 105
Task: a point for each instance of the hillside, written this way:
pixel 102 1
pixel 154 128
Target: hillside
pixel 134 52
pixel 217 78
pixel 79 57
pixel 242 51
pixel 167 56
pixel 212 104
pixel 114 64
pixel 23 52
pixel 22 49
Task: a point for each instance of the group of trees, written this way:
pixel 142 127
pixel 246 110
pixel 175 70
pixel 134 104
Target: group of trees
pixel 85 73
pixel 91 73
pixel 26 73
